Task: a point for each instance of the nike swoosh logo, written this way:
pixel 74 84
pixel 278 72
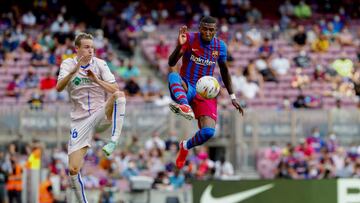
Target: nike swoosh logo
pixel 207 197
pixel 194 50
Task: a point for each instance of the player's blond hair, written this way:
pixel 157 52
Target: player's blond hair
pixel 82 36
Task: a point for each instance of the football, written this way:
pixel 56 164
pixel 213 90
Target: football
pixel 207 87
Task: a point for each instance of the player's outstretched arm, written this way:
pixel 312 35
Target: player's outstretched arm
pixel 177 53
pixel 61 84
pixel 225 75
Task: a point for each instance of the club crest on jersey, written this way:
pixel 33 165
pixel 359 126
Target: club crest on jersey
pixel 215 54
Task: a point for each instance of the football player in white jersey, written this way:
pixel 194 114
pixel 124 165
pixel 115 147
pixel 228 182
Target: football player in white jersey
pixel 88 79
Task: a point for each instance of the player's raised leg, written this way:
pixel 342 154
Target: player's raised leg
pixel 115 111
pixel 207 131
pixel 76 160
pixel 178 90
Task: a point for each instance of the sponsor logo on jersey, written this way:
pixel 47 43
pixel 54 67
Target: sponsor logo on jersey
pixel 81 81
pixel 201 61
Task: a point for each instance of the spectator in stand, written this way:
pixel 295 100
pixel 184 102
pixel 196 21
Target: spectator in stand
pixel 280 64
pixel 177 180
pixel 338 24
pixel 113 62
pixel 224 33
pixel 312 34
pixel 38 57
pixel 356 173
pixel 14 87
pixel 302 60
pixel 328 169
pixel 238 80
pixel 320 73
pixel 305 149
pixel 48 82
pixel 253 37
pixel 155 142
pixel 236 42
pixel 343 66
pixel 161 181
pixel 263 67
pixel 253 15
pixel 300 37
pixel 150 90
pixel 345 38
pixel 315 140
pixel 28 19
pixel 134 146
pixel 47 87
pixel 155 161
pixel 223 169
pixel 266 49
pixel 330 32
pixel 60 25
pixel 284 171
pixel 132 71
pixel 162 100
pixel 356 82
pixel 254 75
pixel 286 8
pixel 332 143
pixel 300 102
pixel 321 44
pixel 14 181
pixel 131 170
pixel 132 88
pixel 302 10
pixel 301 167
pixel 3 177
pixel 27 44
pixel 249 89
pixel 346 171
pixel 31 79
pixel 149 28
pixel 161 50
pixel 36 100
pixel 121 69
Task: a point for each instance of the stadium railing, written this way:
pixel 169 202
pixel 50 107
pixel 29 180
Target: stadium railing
pixel 239 136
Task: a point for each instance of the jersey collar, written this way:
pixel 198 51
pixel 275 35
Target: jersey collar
pixel 86 66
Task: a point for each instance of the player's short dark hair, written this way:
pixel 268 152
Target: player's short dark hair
pixel 208 19
pixel 81 36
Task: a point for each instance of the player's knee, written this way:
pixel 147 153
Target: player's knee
pixel 119 94
pixel 208 132
pixel 73 170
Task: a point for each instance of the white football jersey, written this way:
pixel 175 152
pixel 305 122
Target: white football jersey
pixel 86 96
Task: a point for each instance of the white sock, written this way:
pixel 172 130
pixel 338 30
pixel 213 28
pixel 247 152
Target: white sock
pixel 118 118
pixel 77 185
pixel 184 144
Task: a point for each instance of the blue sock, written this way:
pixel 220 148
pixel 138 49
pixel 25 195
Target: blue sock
pixel 203 135
pixel 177 89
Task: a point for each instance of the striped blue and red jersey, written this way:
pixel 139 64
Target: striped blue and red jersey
pixel 199 59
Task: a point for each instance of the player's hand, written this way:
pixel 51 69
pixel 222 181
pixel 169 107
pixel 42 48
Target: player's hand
pixel 85 60
pixel 182 35
pixel 92 76
pixel 237 106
